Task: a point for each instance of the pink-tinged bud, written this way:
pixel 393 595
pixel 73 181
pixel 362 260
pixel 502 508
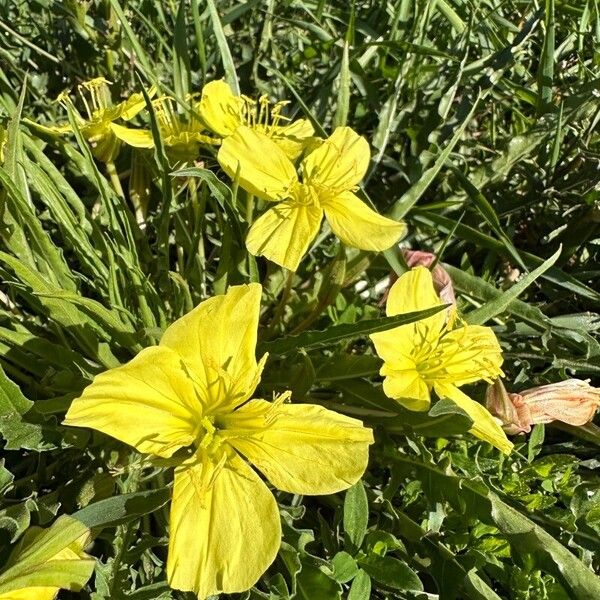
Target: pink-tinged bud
pixel 573 401
pixel 441 279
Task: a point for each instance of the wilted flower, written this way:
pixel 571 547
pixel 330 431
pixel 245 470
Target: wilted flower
pixel 223 112
pixel 190 400
pixel 434 354
pixel 330 175
pixel 573 401
pixel 98 125
pixel 46 560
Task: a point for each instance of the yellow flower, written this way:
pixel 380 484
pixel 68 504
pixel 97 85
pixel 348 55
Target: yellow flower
pixel 98 126
pixel 329 175
pixel 223 112
pixel 181 134
pixel 192 395
pixel 46 560
pixel 434 354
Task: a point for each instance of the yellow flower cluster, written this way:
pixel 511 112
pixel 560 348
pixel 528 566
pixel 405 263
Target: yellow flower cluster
pixel 191 399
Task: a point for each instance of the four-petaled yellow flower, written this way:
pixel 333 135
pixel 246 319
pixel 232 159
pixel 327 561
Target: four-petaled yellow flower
pixel 192 395
pixel 223 112
pixel 46 560
pixel 98 127
pixel 330 174
pixel 434 354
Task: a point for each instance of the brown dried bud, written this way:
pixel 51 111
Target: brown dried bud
pixel 573 401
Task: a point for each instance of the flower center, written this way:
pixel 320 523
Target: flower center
pixel 207 437
pixel 305 195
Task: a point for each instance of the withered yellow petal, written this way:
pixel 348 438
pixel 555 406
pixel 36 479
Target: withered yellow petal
pixel 224 528
pixel 220 108
pixel 217 342
pixel 300 448
pixel 468 354
pixel 138 138
pixel 264 169
pixel 359 226
pixel 284 233
pixel 340 162
pixel 485 426
pixel 149 403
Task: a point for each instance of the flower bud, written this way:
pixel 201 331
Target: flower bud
pixel 573 401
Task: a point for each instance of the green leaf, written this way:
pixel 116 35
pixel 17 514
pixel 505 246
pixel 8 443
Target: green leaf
pixel 361 587
pixel 14 426
pixel 226 58
pixel 497 306
pixel 356 516
pixel 344 567
pixel 391 572
pixel 411 197
pixel 338 333
pixel 34 563
pixel 313 584
pixel 123 508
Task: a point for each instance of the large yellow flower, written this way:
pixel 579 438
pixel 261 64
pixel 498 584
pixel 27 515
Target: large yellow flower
pixel 329 175
pixel 98 125
pixel 191 395
pixel 434 354
pixel 223 112
pixel 46 560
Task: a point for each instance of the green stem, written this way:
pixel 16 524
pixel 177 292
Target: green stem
pixel 285 295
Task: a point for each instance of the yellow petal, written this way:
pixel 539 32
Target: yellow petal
pixel 406 386
pixel 413 291
pixel 468 354
pixel 149 403
pixel 32 593
pixel 224 528
pixel 300 448
pixel 264 169
pixel 485 426
pixel 284 233
pixel 402 348
pixel 217 342
pixel 134 104
pixel 340 162
pixel 220 108
pixel 138 138
pixel 292 138
pixel 359 226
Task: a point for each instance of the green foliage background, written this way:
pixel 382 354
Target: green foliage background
pixel 482 117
